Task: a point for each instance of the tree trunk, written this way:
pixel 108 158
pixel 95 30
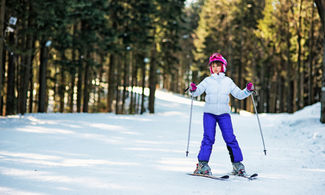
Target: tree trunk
pixel 143 87
pixel 56 88
pixel 79 83
pixel 152 80
pixel 311 57
pixel 262 92
pixel 10 104
pixel 281 94
pixel 42 77
pixel 321 10
pixel 300 81
pixel 117 91
pixel 289 72
pixel 267 95
pixel 72 77
pixel 2 77
pixel 62 83
pixel 72 86
pixel 26 72
pixel 137 104
pixel 2 22
pixel 133 83
pixel 322 119
pixel 31 81
pixel 111 79
pixel 86 84
pixel 99 92
pixel 31 92
pixel 273 93
pixel 73 70
pixel 125 80
pixel 21 70
pixel 25 65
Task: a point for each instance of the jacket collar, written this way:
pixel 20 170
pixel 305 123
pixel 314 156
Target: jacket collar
pixel 218 76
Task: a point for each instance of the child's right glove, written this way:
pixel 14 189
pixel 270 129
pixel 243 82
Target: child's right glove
pixel 250 87
pixel 193 87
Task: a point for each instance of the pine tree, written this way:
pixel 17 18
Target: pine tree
pixel 321 10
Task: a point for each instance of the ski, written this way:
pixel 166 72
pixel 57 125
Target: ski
pixel 224 177
pixel 253 176
pixel 250 177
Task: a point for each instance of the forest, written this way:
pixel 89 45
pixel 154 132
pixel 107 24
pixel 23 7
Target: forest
pixel 112 55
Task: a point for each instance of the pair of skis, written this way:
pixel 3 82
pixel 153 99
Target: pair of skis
pixel 225 177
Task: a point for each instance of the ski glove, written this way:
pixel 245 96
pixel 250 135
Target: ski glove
pixel 193 87
pixel 250 87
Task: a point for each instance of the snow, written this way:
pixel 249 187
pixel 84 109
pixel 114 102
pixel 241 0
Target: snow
pixel 145 154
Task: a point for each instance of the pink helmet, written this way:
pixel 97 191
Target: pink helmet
pixel 217 57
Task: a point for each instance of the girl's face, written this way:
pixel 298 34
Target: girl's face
pixel 216 67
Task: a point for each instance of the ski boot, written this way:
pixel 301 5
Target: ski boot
pixel 203 168
pixel 238 169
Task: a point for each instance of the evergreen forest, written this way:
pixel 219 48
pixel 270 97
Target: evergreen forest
pixel 112 55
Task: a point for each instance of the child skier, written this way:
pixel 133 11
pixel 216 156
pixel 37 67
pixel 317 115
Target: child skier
pixel 216 110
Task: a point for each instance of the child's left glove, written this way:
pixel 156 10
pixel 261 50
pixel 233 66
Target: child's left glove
pixel 250 87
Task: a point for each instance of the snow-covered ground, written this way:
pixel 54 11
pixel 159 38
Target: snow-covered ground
pixel 145 154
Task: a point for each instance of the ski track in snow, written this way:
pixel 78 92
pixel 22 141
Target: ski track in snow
pixel 145 154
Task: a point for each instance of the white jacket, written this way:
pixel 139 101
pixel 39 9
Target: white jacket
pixel 217 89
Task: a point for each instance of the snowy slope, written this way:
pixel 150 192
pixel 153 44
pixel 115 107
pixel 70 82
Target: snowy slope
pixel 121 154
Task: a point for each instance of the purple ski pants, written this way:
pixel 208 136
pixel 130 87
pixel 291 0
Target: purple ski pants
pixel 224 122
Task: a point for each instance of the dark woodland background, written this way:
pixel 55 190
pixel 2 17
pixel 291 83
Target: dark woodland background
pixel 105 55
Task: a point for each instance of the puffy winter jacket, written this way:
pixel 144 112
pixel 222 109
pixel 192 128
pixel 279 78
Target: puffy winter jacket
pixel 217 88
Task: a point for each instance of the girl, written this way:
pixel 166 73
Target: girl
pixel 216 110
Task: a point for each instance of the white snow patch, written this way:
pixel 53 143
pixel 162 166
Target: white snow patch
pixel 145 154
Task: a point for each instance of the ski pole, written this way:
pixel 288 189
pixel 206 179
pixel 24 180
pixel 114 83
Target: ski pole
pixel 259 124
pixel 189 128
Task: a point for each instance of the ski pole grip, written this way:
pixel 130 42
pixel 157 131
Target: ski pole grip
pixel 187 88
